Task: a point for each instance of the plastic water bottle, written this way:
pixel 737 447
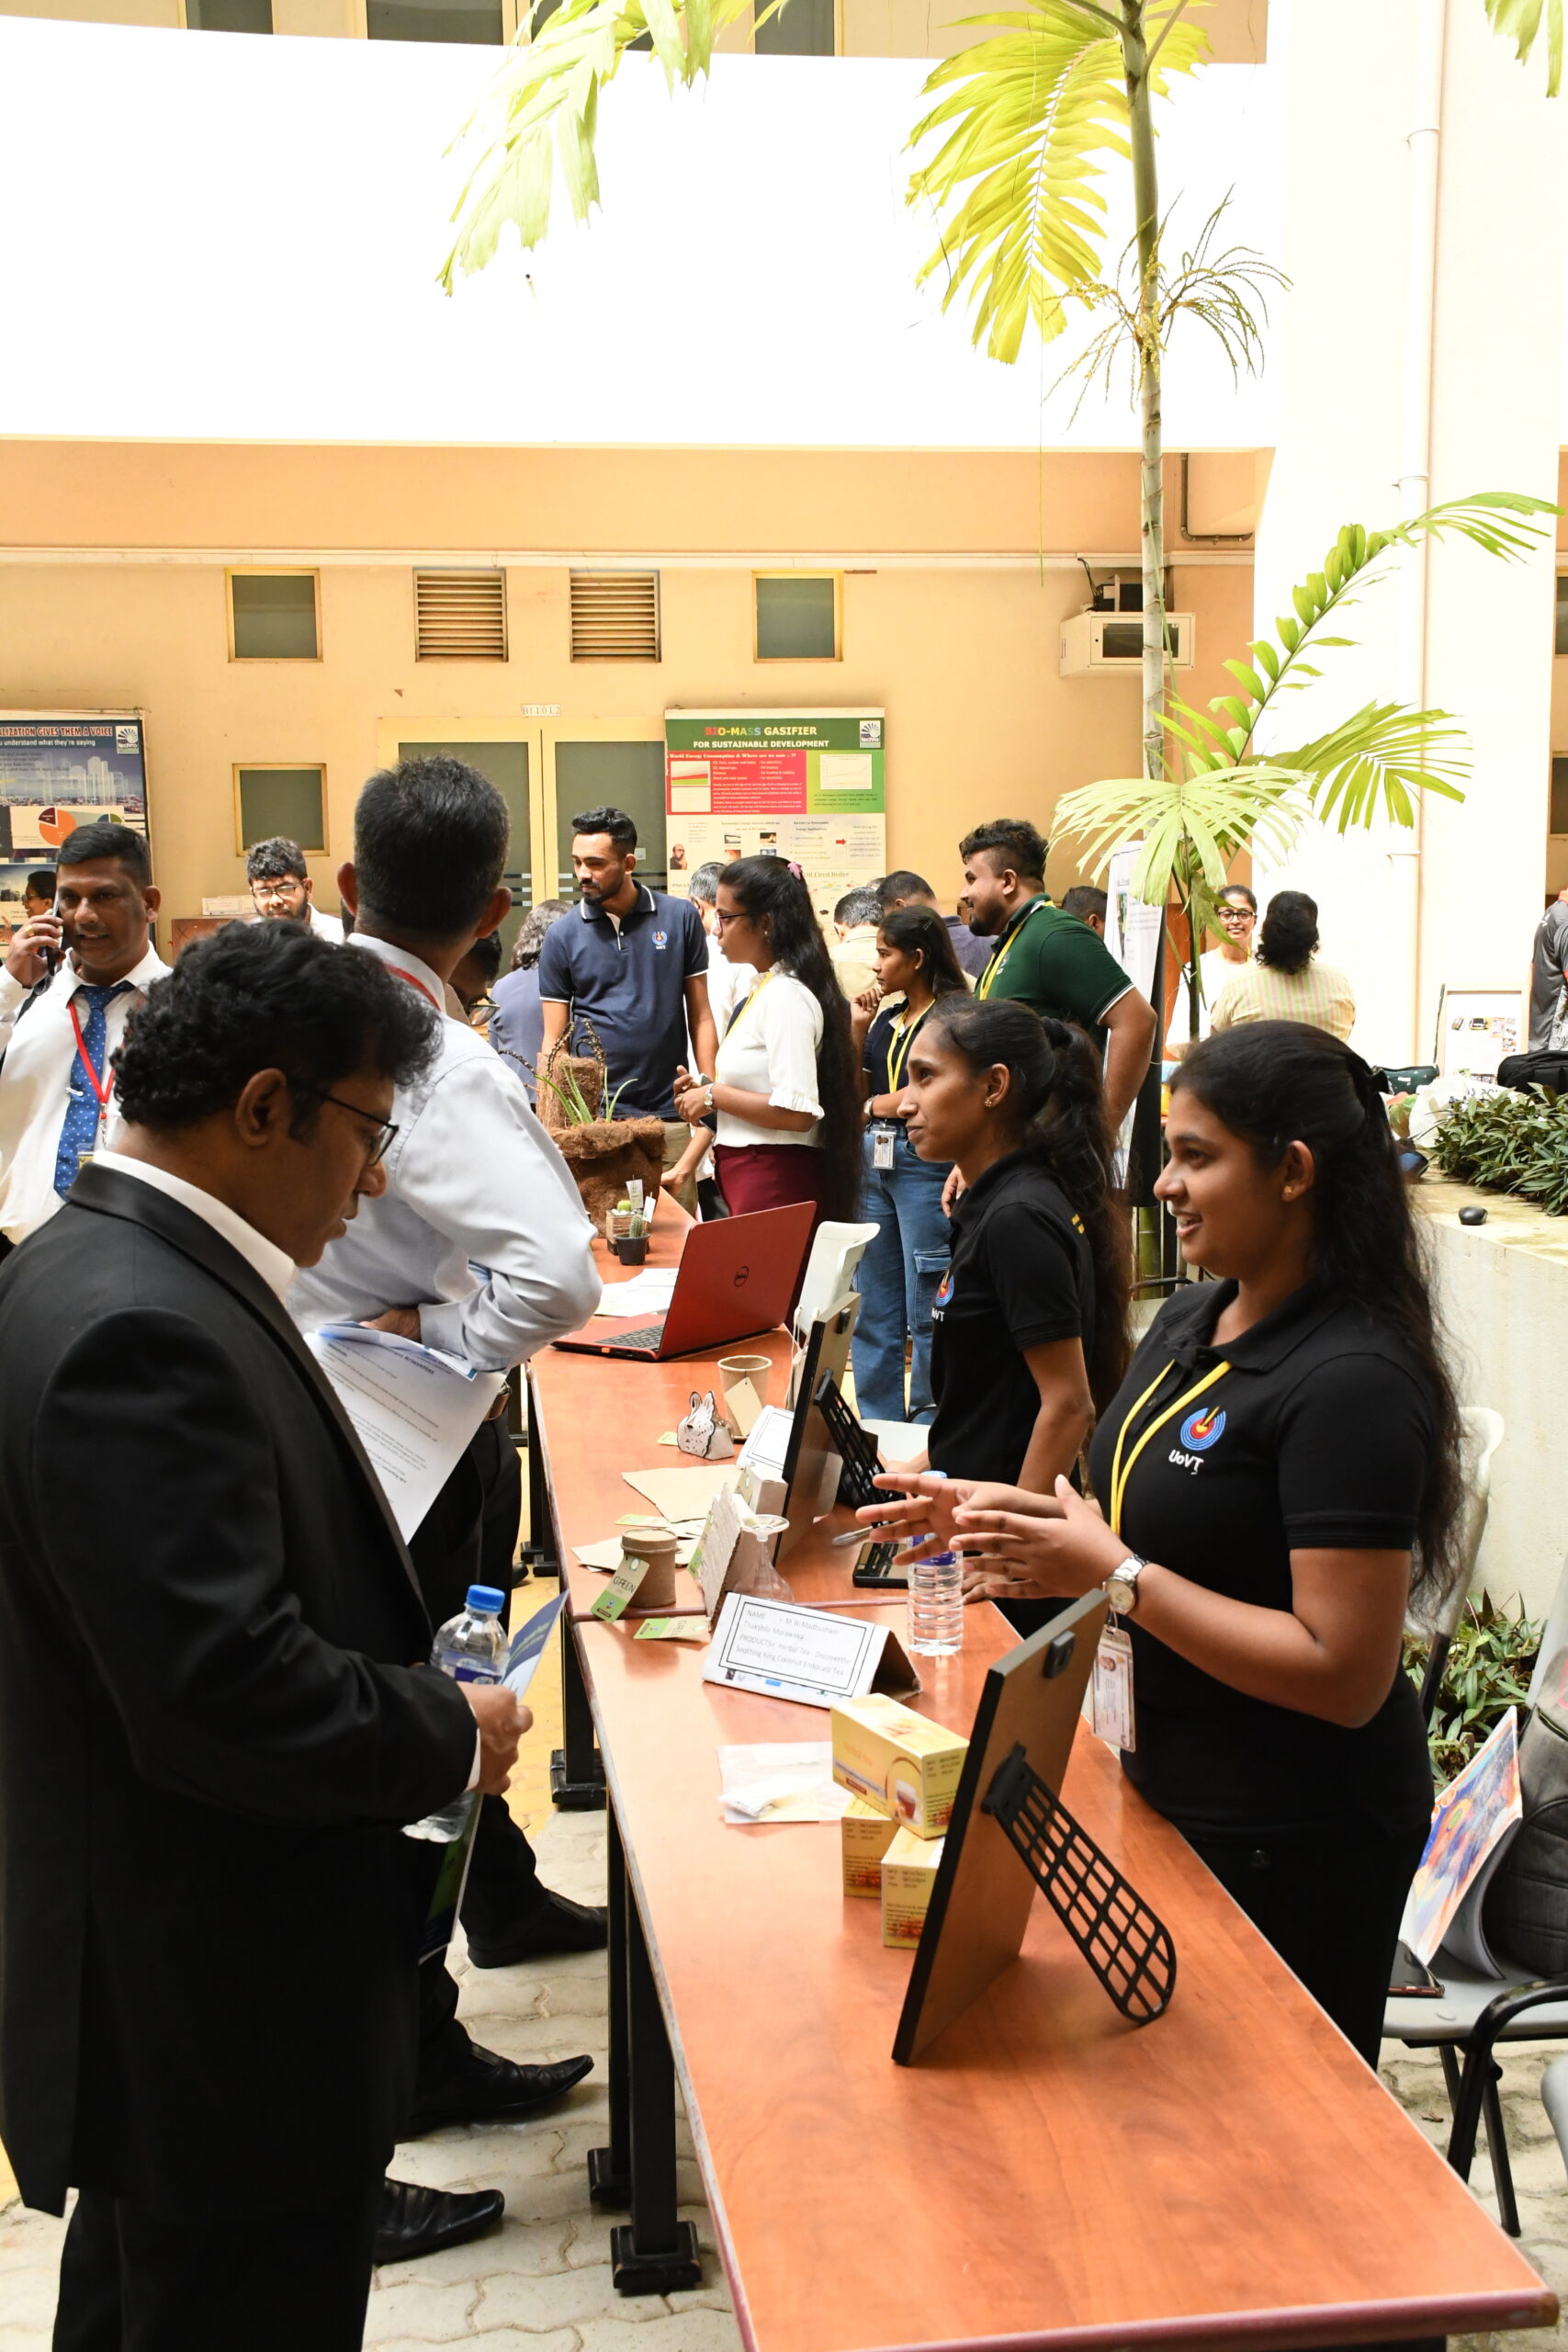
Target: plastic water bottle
pixel 936 1605
pixel 470 1647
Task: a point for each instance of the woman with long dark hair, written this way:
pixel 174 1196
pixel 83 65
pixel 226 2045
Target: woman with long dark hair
pixel 915 967
pixel 1030 1321
pixel 1280 1467
pixel 1287 981
pixel 784 1098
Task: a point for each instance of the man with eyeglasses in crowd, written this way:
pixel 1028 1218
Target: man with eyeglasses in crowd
pixel 283 891
pixel 479 1245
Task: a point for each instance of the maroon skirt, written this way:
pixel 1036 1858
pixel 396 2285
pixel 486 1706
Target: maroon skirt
pixel 769 1176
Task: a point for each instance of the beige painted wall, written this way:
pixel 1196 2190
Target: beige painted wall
pixel 979 723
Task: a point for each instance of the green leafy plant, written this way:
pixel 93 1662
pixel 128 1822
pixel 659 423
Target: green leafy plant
pixel 1217 794
pixel 558 1076
pixel 1506 1141
pixel 1486 1671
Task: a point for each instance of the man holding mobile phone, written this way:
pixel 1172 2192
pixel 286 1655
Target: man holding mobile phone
pixel 71 980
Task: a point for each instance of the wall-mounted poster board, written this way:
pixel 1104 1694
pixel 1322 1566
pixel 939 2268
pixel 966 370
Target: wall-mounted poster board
pixel 59 769
pixel 1477 1028
pixel 802 785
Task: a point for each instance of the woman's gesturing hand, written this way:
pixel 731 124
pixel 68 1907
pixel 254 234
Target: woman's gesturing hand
pixel 1058 1546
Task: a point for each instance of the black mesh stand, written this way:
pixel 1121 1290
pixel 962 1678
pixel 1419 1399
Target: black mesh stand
pixel 857 1483
pixel 1128 1948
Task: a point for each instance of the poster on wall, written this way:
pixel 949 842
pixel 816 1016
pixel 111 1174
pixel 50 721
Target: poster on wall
pixel 1477 1028
pixel 1132 929
pixel 59 769
pixel 801 785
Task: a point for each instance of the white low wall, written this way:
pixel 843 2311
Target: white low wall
pixel 1503 1290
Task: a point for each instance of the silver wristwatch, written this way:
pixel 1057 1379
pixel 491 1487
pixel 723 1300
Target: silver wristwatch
pixel 1121 1585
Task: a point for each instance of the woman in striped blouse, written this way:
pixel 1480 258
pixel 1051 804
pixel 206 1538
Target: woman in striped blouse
pixel 1286 980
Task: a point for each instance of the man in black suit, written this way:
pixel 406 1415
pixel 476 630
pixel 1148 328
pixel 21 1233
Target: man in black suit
pixel 211 1726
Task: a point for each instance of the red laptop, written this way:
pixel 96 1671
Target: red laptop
pixel 737 1275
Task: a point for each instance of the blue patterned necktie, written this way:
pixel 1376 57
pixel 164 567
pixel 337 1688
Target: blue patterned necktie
pixel 80 1130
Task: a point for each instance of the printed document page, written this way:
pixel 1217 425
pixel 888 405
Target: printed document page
pixel 414 1408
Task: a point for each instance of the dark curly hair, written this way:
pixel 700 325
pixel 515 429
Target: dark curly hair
pixel 1287 939
pixel 1275 1082
pixel 267 996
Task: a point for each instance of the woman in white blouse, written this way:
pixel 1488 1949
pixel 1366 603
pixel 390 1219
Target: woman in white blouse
pixel 784 1099
pixel 1237 912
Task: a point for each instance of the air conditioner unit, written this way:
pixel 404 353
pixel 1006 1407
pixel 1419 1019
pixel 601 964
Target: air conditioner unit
pixel 1110 644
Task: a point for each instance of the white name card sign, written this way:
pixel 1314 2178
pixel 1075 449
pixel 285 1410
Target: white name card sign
pixel 813 1655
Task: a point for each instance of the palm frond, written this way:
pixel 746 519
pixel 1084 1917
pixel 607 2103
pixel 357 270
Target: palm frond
pixel 1022 117
pixel 1216 812
pixel 1372 764
pixel 542 110
pixel 1520 21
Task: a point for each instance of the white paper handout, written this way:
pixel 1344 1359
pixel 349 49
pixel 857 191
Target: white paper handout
pixel 413 1407
pixel 648 1293
pixel 780 1780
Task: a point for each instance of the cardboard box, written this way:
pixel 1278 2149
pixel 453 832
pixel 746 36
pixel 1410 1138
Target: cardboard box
pixel 899 1761
pixel 867 1833
pixel 909 1874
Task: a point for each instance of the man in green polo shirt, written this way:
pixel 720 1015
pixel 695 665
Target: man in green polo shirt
pixel 1049 959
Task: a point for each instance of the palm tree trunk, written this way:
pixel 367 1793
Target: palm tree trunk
pixel 1145 197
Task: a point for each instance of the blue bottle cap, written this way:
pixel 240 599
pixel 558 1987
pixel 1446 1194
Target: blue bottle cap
pixel 485 1599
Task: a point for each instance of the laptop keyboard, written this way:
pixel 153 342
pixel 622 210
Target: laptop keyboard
pixel 647 1336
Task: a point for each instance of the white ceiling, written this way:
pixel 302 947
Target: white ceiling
pixel 208 236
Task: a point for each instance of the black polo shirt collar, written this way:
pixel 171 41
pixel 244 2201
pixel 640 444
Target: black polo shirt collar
pixel 644 906
pixel 1190 1327
pixel 978 1197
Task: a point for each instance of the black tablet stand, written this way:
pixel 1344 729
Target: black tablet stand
pixel 1128 1948
pixel 857 1485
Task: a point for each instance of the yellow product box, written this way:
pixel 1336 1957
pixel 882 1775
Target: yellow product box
pixel 899 1761
pixel 867 1833
pixel 909 1874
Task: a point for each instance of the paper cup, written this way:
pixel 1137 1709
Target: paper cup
pixel 744 1380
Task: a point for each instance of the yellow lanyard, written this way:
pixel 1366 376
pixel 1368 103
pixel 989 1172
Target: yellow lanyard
pixel 994 969
pixel 897 1035
pixel 1119 1475
pixel 745 1005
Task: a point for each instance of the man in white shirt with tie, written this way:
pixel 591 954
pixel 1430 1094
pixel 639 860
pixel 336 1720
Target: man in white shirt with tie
pixel 479 1245
pixel 63 1014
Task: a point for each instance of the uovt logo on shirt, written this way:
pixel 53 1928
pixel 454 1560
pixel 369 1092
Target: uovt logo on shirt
pixel 1199 1431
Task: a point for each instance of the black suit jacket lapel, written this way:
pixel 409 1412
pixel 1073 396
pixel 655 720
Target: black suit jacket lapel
pixel 105 1193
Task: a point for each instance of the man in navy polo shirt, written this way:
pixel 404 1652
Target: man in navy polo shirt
pixel 636 963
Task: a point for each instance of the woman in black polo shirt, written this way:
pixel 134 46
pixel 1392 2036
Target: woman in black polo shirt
pixel 1028 1322
pixel 1284 1446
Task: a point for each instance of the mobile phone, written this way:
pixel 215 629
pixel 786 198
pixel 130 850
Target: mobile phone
pixel 51 955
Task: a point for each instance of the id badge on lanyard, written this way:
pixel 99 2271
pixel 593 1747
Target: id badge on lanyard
pixel 883 1139
pixel 1110 1705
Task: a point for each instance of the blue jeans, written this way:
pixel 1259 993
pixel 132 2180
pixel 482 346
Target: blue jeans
pixel 897 1281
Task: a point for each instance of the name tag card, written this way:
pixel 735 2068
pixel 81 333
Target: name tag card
pixel 815 1656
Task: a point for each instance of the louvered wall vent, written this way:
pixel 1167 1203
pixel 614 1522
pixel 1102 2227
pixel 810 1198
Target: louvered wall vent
pixel 459 616
pixel 614 616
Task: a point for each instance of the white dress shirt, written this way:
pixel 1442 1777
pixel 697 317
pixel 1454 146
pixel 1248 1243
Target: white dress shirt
pixel 480 1225
pixel 771 1051
pixel 274 1266
pixel 325 926
pixel 35 1082
pixel 727 985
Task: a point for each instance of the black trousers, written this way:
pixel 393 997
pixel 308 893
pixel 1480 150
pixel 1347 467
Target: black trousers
pixel 135 2281
pixel 469 1536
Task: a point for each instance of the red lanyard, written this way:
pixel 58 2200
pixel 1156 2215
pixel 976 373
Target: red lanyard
pixel 102 1087
pixel 416 984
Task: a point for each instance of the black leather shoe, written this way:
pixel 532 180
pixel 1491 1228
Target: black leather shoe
pixel 559 1925
pixel 414 2221
pixel 490 2089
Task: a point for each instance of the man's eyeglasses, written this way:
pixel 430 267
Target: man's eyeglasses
pixel 264 890
pixel 386 1128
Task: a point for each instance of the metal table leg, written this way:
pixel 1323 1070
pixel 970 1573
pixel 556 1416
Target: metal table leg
pixel 577 1776
pixel 610 2169
pixel 654 2253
